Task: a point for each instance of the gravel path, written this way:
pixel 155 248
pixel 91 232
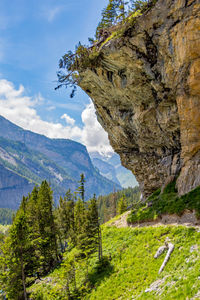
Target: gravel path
pixel 187 219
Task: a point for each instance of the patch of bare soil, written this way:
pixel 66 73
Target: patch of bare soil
pixel 188 218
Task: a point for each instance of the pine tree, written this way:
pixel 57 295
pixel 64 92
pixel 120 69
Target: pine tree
pixel 16 256
pixel 2 264
pixel 109 15
pixel 138 4
pixel 23 203
pixel 81 188
pixel 70 264
pixel 122 205
pixel 20 250
pixel 32 215
pixel 80 224
pixel 88 231
pixel 94 229
pixel 121 9
pixel 66 219
pixel 47 229
pixel 113 204
pixel 31 246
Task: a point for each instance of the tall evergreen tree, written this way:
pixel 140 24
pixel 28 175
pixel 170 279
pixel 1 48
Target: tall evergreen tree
pixel 94 230
pixel 122 205
pixel 70 264
pixel 109 15
pixel 81 188
pixel 16 256
pixel 121 9
pixel 66 219
pixel 80 224
pixel 32 215
pixel 138 4
pixel 20 250
pixel 114 204
pixel 47 228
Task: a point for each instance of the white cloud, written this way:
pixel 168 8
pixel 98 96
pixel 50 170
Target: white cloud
pixel 68 119
pixel 38 100
pixel 51 13
pixel 20 109
pixel 93 135
pixel 50 108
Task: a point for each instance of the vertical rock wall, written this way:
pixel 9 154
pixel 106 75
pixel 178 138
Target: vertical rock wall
pixel 146 91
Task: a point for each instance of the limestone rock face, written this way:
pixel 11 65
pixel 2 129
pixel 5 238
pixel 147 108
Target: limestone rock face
pixel 146 91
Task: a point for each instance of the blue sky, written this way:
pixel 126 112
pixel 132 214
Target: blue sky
pixel 34 34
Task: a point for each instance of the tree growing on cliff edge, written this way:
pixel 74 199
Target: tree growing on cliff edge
pixel 109 16
pixel 138 4
pixel 117 11
pixel 73 63
pixel 122 9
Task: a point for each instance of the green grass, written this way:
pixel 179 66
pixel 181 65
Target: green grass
pixel 4 228
pixel 166 202
pixel 132 267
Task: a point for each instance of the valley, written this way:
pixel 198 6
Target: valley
pixel 74 224
pixel 27 158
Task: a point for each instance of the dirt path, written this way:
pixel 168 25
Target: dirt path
pixel 187 219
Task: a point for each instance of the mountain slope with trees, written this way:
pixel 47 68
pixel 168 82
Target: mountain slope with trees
pixel 41 234
pixel 131 271
pixel 117 202
pixel 27 158
pixel 6 216
pixel 64 253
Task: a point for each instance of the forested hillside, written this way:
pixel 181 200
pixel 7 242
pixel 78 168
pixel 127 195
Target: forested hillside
pixel 27 158
pixel 6 216
pixel 64 253
pixel 117 202
pixel 41 234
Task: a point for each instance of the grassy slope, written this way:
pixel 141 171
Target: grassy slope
pixel 166 202
pixel 133 267
pixel 4 228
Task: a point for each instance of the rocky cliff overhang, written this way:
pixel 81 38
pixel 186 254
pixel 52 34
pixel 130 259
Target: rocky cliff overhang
pixel 146 92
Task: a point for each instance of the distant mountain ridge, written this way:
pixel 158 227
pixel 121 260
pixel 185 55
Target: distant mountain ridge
pixel 111 167
pixel 27 158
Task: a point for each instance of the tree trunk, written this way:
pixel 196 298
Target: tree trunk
pixel 68 290
pixel 100 254
pixel 23 277
pixel 74 276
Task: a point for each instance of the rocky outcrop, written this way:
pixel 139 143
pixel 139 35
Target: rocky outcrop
pixel 146 91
